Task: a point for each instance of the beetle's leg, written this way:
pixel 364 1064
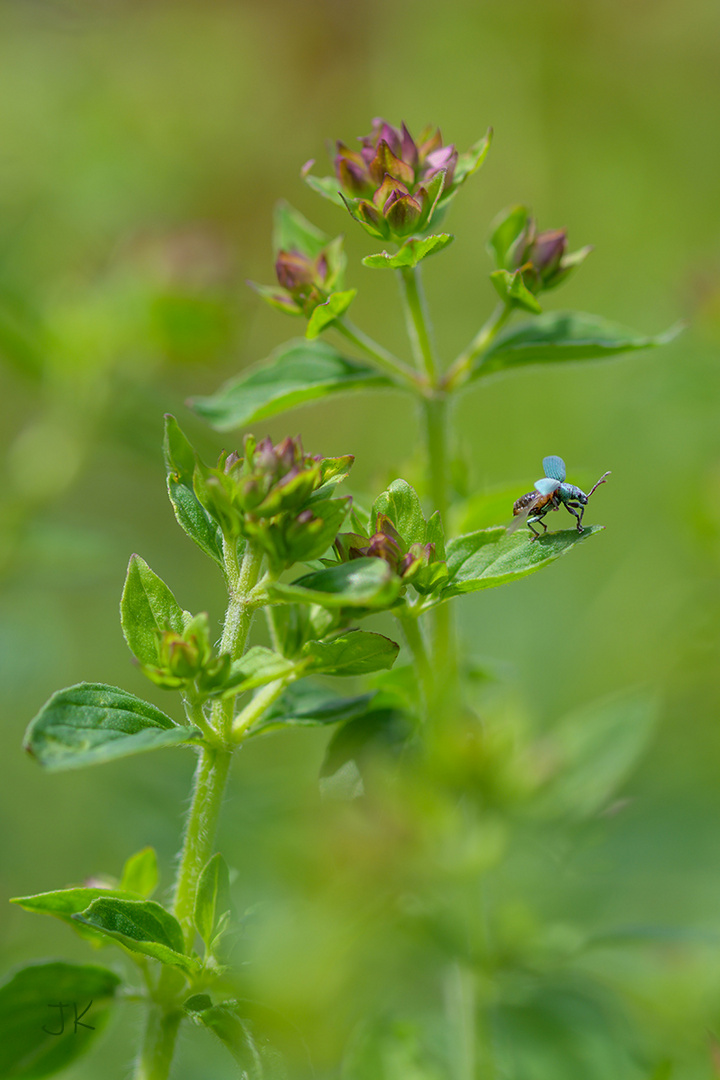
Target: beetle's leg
pixel 536 521
pixel 571 508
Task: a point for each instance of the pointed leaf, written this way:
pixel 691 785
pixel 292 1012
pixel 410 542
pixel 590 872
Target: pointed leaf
pixel 595 749
pixel 410 254
pixel 257 667
pixel 401 504
pixel 327 186
pixel 90 722
pixel 147 609
pixel 512 290
pixel 354 652
pixel 140 926
pixel 30 1019
pixel 180 462
pixel 307 705
pixel 293 232
pixel 469 163
pixel 366 583
pixel 300 371
pixel 561 336
pixel 212 899
pixel 64 903
pixel 325 314
pixel 491 557
pixel 506 228
pixel 140 873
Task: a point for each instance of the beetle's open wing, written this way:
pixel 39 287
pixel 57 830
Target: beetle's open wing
pixel 546 486
pixel 554 468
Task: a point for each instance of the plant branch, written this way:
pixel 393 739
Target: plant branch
pixel 255 708
pixel 460 370
pixel 417 321
pixel 386 361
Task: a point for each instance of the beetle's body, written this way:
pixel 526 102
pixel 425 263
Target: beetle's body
pixel 550 493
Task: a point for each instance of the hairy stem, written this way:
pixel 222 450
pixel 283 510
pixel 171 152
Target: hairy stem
pixel 418 324
pixel 380 356
pixel 158 1045
pixel 242 578
pixel 199 841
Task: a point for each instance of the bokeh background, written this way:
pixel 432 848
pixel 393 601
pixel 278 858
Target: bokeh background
pixel 142 148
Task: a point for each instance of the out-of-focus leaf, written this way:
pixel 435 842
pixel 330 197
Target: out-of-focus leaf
pixel 141 926
pixel 140 873
pixel 30 1025
pixel 410 254
pixel 560 336
pixel 91 722
pixel 147 608
pixel 367 583
pixel 306 705
pixel 326 314
pixel 595 750
pixel 212 899
pixel 506 228
pixel 377 731
pixel 257 1060
pixel 293 232
pixel 490 557
pixel 354 652
pixel 300 371
pixel 511 288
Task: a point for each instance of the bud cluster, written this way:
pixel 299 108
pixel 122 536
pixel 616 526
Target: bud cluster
pixel 417 564
pixel 186 661
pixel 393 184
pixel 276 496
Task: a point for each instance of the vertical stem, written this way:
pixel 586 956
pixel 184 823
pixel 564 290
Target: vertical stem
pixel 242 578
pixel 208 790
pixel 418 324
pixel 158 1045
pixel 460 1007
pixel 435 415
pixel 416 643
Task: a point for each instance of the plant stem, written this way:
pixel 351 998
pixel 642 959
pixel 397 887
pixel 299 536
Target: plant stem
pixel 255 708
pixel 158 1044
pixel 208 790
pixel 460 370
pixel 460 1007
pixel 379 355
pixel 417 322
pixel 416 643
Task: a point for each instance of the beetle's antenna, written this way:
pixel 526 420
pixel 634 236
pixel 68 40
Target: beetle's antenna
pixel 602 480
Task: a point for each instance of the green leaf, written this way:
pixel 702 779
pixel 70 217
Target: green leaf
pixel 257 667
pixel 30 1044
pixel 140 926
pixel 64 903
pixel 435 534
pixel 257 1060
pixel 91 722
pixel 595 749
pixel 212 899
pixel 326 314
pixel 410 254
pixel 401 504
pixel 367 583
pixel 147 609
pixel 559 336
pixel 140 873
pixel 298 372
pixel 354 652
pixel 327 186
pixel 491 557
pixel 512 290
pixel 180 462
pixel 293 232
pixel 376 731
pixel 469 163
pixel 304 704
pixel 506 228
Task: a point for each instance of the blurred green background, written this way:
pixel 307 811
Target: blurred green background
pixel 142 148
